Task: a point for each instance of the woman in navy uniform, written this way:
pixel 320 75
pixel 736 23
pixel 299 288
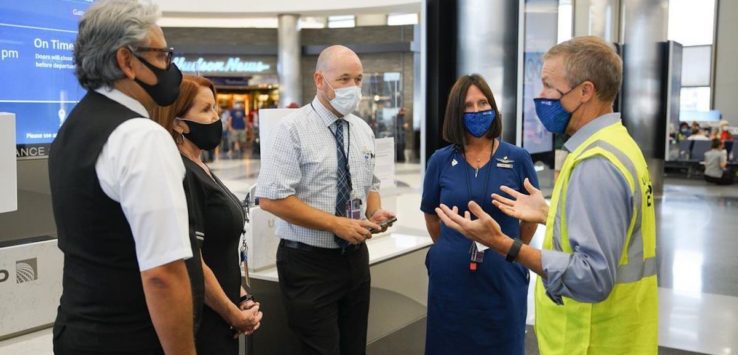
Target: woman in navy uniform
pixel 476 299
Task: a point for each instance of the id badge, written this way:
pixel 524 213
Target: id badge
pixel 353 208
pixel 476 256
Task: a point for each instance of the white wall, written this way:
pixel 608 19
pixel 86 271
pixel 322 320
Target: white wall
pixel 8 165
pixel 726 71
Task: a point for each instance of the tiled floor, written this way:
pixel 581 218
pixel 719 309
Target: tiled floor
pixel 698 277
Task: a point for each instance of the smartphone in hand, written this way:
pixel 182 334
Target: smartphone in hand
pixel 383 225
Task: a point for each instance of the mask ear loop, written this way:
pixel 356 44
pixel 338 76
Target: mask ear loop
pixel 325 80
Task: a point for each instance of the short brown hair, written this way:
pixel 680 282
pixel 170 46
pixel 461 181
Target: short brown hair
pixel 716 143
pixel 589 58
pixel 453 122
pixel 187 91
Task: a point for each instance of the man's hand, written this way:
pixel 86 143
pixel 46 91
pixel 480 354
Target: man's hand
pixel 249 319
pixel 380 216
pixel 527 208
pixel 484 229
pixel 353 231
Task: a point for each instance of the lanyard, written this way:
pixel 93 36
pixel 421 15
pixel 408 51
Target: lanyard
pixel 476 255
pixel 486 181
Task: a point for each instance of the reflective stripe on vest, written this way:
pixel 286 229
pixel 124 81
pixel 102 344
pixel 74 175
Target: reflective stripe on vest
pixel 632 266
pixel 626 322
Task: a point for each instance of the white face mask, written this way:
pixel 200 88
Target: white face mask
pixel 347 99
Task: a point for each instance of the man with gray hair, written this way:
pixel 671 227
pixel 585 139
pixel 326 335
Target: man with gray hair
pixel 597 291
pixel 118 198
pixel 321 183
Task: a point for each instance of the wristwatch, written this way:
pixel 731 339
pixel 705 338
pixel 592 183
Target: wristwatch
pixel 512 254
pixel 245 298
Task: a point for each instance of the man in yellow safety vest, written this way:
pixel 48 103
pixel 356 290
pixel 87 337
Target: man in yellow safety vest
pixel 597 293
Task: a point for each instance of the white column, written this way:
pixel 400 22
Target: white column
pixel 288 65
pixel 726 76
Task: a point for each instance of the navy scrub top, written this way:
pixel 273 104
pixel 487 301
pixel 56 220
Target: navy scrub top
pixel 482 311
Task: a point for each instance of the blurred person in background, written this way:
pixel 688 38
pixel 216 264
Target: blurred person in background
pixel 237 129
pixel 716 165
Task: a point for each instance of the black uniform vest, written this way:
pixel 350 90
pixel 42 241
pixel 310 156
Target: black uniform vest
pixel 102 305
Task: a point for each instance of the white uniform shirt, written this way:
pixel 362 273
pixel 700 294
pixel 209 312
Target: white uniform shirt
pixel 141 168
pixel 304 163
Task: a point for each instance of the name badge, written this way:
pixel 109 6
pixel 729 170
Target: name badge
pixel 353 208
pixel 505 163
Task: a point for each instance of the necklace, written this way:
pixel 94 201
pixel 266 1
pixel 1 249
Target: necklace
pixel 478 165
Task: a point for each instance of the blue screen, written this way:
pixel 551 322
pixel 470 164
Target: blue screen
pixel 37 65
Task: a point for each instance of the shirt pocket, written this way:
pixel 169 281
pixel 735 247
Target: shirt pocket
pixel 318 162
pixel 362 167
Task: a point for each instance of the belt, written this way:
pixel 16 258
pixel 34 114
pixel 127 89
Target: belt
pixel 305 247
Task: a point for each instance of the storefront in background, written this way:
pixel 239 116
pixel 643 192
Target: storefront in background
pixel 243 65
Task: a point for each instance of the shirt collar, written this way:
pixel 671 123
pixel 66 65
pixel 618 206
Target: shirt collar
pixel 591 128
pixel 123 99
pixel 325 114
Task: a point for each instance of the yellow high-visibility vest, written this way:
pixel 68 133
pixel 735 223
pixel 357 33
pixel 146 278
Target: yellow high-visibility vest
pixel 627 321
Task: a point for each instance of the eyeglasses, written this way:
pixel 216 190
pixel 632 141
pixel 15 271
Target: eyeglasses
pixel 164 54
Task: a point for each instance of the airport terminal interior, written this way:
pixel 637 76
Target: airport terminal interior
pixel 679 92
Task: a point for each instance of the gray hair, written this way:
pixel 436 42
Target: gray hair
pixel 590 58
pixel 106 26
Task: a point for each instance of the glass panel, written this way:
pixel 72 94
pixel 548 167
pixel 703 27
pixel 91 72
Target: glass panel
pixel 692 22
pixel 311 22
pixel 695 104
pixel 566 20
pixel 402 19
pixel 381 106
pixel 696 63
pixel 341 21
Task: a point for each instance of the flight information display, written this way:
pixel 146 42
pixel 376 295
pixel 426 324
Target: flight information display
pixel 37 68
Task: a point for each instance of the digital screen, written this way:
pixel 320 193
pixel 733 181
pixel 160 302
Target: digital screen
pixel 536 139
pixel 37 67
pixel 541 32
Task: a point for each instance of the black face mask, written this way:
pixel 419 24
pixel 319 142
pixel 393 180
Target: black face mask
pixel 166 89
pixel 206 136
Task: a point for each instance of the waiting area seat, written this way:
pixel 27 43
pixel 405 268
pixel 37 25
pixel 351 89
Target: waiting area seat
pixel 692 155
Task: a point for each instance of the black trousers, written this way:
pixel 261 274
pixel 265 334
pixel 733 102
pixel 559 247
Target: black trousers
pixel 326 296
pixel 66 342
pixel 726 179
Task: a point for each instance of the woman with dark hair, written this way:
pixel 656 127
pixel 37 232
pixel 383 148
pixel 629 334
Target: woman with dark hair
pixel 476 299
pixel 215 215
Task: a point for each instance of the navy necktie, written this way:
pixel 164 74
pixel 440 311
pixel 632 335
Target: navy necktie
pixel 343 179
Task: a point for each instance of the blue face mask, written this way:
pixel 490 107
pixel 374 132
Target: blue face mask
pixel 478 123
pixel 553 116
